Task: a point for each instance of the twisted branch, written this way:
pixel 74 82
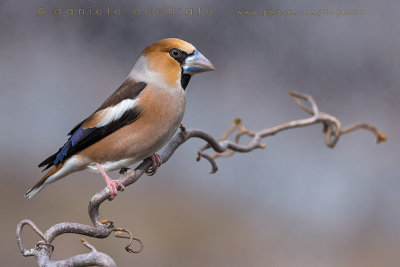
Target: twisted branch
pixel 332 128
pixel 102 228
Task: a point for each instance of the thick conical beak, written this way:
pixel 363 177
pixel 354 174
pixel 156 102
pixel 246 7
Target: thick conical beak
pixel 196 63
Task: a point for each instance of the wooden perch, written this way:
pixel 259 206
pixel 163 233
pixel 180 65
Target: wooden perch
pixel 102 228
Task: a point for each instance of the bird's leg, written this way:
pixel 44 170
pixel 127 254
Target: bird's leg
pixel 111 184
pixel 156 163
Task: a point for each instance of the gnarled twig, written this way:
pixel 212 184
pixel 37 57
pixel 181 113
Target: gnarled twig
pixel 332 128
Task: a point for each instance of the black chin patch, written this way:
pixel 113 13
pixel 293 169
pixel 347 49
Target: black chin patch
pixel 185 80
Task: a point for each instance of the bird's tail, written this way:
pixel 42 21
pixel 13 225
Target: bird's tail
pixel 46 179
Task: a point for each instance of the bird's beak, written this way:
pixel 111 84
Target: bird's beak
pixel 196 63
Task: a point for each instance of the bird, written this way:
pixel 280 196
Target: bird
pixel 136 121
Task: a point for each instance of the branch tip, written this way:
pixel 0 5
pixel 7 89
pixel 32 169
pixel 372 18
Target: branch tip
pixel 237 121
pixel 381 137
pixel 88 245
pixel 262 145
pixel 119 233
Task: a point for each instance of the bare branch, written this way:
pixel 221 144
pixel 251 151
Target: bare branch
pixel 102 228
pixel 43 249
pixel 332 128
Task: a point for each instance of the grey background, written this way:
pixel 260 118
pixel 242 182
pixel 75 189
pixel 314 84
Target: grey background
pixel 296 203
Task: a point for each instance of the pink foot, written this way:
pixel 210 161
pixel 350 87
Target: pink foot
pixel 156 163
pixel 111 184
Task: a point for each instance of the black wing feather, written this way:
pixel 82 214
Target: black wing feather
pixel 101 132
pixel 128 90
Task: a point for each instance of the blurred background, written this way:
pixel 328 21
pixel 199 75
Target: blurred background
pixel 296 203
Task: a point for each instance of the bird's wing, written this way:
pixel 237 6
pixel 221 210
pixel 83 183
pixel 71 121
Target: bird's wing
pixel 117 111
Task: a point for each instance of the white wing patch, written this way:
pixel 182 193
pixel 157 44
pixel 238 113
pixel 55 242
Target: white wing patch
pixel 116 112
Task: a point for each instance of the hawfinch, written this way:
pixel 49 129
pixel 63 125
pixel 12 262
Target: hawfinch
pixel 137 120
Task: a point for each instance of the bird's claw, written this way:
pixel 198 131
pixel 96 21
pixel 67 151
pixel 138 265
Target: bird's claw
pixel 156 161
pixel 112 186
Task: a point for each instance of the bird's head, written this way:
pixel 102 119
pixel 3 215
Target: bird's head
pixel 170 61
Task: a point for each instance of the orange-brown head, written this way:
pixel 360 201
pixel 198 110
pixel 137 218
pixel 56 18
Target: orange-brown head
pixel 170 62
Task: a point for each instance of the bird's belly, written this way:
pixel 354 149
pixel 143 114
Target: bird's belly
pixel 113 165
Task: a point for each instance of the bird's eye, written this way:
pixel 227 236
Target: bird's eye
pixel 178 55
pixel 175 53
